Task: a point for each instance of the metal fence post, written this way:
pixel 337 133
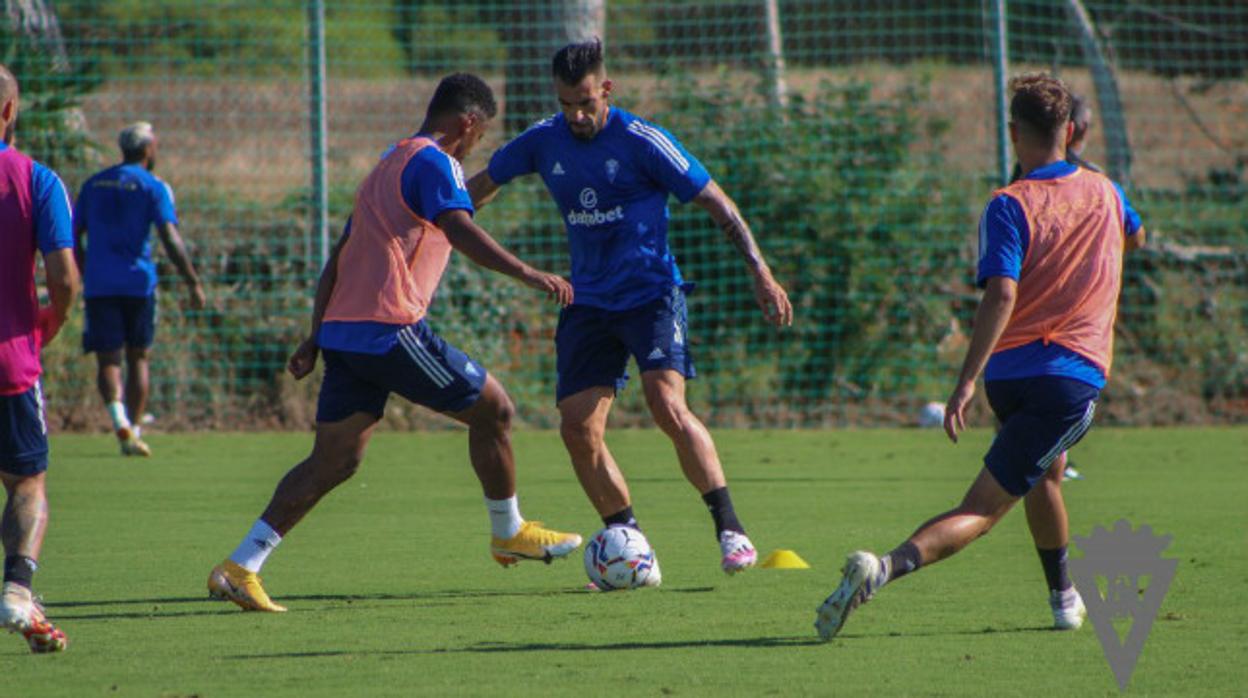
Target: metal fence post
pixel 319 196
pixel 1000 68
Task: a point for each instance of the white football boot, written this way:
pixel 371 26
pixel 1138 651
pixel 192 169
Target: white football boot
pixel 861 579
pixel 1068 609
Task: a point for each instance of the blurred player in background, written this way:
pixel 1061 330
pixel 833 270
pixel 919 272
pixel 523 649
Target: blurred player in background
pixel 1051 248
pixel 1081 122
pixel 34 215
pixel 611 173
pixel 115 212
pixel 368 321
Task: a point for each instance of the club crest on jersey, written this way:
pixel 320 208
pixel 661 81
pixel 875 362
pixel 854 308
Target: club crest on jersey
pixel 613 169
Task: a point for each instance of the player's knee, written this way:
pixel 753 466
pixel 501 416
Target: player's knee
pixel 672 416
pixel 581 435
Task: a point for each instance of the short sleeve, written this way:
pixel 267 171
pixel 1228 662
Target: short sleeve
pixel 163 210
pixel 1130 217
pixel 668 163
pixel 433 183
pixel 53 212
pixel 1003 239
pixel 518 157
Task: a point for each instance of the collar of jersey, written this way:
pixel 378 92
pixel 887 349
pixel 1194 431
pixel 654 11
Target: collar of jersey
pixel 1053 170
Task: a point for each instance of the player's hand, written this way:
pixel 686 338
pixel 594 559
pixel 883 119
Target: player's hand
pixel 553 285
pixel 46 326
pixel 773 300
pixel 303 360
pixel 199 300
pixel 955 409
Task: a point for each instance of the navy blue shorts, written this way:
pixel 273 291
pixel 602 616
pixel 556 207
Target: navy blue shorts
pixel 23 433
pixel 592 345
pixel 116 322
pixel 1040 418
pixel 422 367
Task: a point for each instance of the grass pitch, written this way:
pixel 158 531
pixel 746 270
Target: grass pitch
pixel 392 591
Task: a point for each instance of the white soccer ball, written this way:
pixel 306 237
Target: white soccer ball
pixel 932 415
pixel 618 557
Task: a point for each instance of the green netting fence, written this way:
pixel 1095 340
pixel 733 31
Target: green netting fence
pixel 861 139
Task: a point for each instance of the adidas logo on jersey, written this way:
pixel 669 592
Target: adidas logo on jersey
pixel 471 370
pixel 656 355
pixel 557 169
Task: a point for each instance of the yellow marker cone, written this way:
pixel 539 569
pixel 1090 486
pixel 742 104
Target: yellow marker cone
pixel 784 560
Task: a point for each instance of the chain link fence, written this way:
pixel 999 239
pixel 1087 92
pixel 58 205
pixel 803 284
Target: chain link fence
pixel 861 140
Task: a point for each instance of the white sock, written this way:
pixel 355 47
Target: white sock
pixel 505 516
pixel 117 412
pixel 136 430
pixel 256 546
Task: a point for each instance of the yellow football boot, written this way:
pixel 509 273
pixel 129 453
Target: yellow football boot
pixel 532 542
pixel 231 582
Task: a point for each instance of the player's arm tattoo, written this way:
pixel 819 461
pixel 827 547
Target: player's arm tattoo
pixel 728 217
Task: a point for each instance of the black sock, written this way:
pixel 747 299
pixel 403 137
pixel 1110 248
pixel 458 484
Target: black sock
pixel 623 517
pixel 19 569
pixel 903 560
pixel 719 503
pixel 1054 563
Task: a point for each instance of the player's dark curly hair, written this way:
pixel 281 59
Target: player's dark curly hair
pixel 1042 103
pixel 574 61
pixel 462 93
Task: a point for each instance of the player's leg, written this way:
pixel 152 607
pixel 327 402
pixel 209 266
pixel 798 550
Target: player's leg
pixel 23 524
pixel 104 333
pixel 1059 413
pixel 656 334
pixel 864 573
pixel 665 396
pixel 591 364
pixel 137 386
pixel 348 409
pixel 583 427
pixel 429 371
pixel 1050 530
pixel 139 316
pixel 23 464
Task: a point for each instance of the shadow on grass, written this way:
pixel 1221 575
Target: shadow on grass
pixel 438 595
pixel 503 647
pixel 498 647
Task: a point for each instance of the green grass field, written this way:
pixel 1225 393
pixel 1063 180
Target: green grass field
pixel 392 592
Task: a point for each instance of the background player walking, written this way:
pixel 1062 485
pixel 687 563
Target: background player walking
pixel 115 212
pixel 611 173
pixel 1051 247
pixel 368 321
pixel 34 215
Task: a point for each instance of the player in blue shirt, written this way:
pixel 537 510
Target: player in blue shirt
pixel 611 173
pixel 116 210
pixel 34 219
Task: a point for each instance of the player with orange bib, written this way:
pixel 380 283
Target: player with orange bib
pixel 1051 248
pixel 369 322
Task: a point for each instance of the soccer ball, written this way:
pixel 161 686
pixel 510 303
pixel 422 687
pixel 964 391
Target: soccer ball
pixel 932 415
pixel 618 557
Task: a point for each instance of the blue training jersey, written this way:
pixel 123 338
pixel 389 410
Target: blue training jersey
pixel 117 208
pixel 52 214
pixel 432 184
pixel 612 193
pixel 1003 239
